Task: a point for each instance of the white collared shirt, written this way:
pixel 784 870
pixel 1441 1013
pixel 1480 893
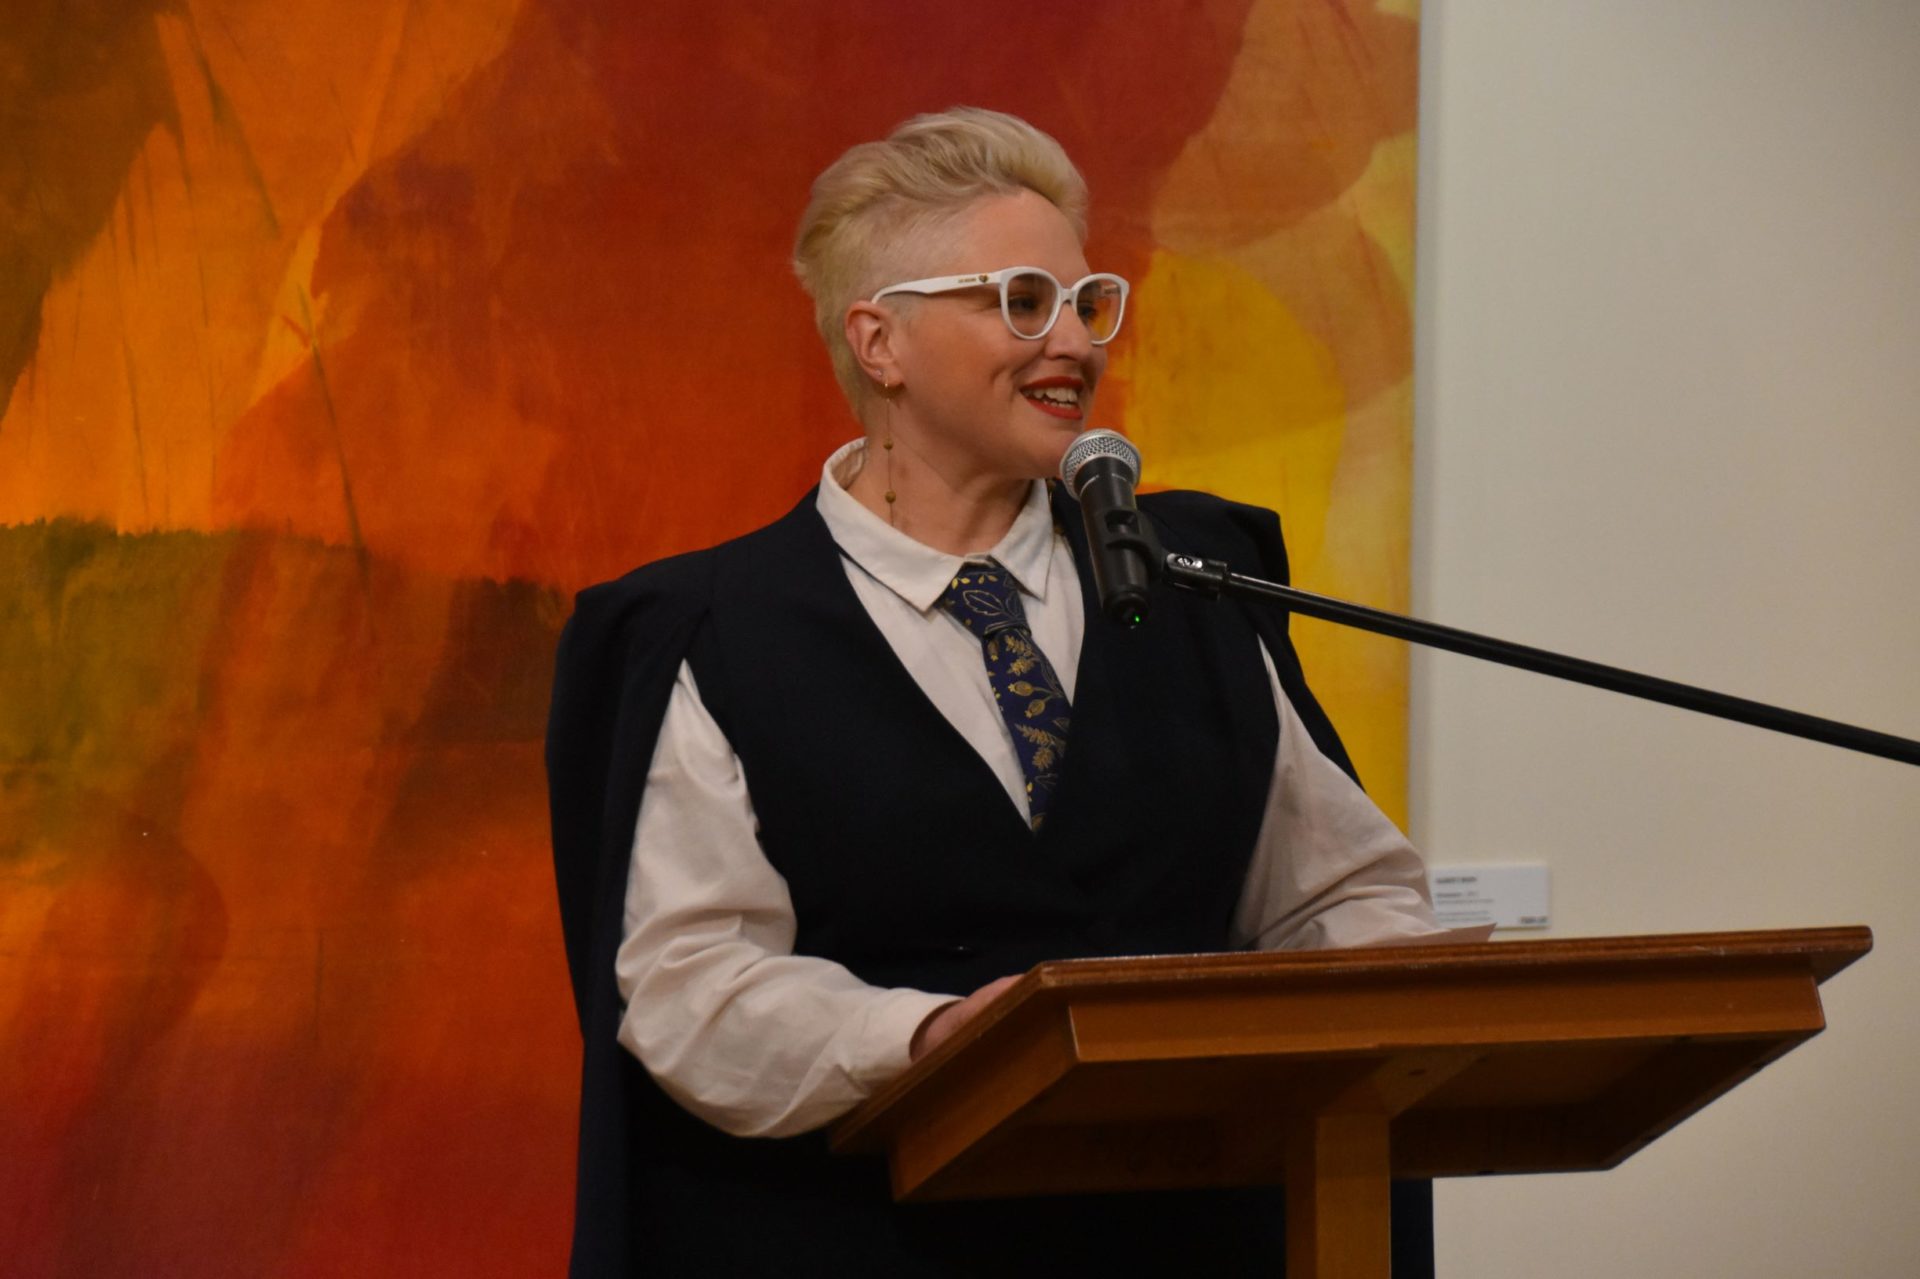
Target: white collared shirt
pixel 899 582
pixel 759 1041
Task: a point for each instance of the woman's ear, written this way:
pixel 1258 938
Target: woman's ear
pixel 870 336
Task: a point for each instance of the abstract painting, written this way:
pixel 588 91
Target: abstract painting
pixel 342 340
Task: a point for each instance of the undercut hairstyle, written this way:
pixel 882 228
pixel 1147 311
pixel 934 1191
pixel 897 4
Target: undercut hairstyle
pixel 878 210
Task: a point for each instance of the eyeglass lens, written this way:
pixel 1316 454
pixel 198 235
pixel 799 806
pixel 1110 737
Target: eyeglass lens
pixel 1032 299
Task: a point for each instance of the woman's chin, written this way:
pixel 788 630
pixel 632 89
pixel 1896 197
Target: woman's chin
pixel 1051 446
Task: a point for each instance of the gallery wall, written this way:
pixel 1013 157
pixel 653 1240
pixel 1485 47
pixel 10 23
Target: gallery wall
pixel 1669 300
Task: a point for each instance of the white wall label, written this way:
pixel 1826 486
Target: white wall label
pixel 1507 896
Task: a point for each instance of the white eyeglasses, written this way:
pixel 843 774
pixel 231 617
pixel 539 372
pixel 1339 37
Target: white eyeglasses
pixel 1031 299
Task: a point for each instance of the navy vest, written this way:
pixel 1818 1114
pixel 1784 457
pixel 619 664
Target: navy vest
pixel 908 864
pixel 905 858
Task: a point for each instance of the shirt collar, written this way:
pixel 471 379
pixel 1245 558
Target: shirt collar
pixel 918 573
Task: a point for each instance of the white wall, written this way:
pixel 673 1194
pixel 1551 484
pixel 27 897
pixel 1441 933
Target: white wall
pixel 1668 416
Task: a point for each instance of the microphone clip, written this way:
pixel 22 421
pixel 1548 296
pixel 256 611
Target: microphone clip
pixel 1192 573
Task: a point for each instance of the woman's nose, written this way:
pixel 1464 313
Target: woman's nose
pixel 1069 337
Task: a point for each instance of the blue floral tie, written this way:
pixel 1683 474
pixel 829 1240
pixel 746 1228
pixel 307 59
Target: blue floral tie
pixel 987 601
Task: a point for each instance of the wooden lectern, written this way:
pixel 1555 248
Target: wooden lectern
pixel 1334 1071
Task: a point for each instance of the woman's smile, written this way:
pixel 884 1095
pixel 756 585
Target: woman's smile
pixel 1056 396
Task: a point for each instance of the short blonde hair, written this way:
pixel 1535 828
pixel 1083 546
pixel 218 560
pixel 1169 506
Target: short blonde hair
pixel 874 208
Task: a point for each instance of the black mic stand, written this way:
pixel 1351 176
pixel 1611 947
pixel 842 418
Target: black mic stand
pixel 1214 578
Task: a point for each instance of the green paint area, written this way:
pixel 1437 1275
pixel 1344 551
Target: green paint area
pixel 291 683
pixel 102 639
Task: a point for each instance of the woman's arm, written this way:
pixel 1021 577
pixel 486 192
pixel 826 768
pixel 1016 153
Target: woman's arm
pixel 1329 868
pixel 739 1030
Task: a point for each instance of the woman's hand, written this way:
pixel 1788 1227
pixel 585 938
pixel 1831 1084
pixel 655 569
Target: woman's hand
pixel 943 1021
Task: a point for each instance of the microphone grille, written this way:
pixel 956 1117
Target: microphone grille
pixel 1090 445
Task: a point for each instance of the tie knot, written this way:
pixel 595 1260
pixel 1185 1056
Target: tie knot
pixel 985 598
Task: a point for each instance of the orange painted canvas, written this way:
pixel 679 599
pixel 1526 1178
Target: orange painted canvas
pixel 342 340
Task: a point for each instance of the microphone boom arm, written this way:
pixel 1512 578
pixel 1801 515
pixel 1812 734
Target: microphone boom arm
pixel 1214 578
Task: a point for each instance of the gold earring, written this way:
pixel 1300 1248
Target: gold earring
pixel 886 390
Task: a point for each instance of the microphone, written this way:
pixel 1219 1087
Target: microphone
pixel 1100 469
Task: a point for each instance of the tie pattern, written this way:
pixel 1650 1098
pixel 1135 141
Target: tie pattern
pixel 986 600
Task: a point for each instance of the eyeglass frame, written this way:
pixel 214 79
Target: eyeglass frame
pixel 954 283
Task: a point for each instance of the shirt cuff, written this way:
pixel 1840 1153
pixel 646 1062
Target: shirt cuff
pixel 886 1041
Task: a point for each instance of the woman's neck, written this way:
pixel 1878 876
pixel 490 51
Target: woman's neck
pixel 951 513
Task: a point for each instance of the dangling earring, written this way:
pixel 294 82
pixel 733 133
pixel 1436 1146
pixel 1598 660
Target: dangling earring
pixel 886 391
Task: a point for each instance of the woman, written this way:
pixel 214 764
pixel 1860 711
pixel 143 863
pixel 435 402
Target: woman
pixel 819 793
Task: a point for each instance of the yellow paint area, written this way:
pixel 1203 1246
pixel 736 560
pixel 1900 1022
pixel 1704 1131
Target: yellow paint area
pixel 1228 392
pixel 1382 202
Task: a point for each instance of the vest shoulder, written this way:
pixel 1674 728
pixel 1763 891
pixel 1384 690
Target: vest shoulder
pixel 678 585
pixel 1191 504
pixel 1200 523
pixel 681 587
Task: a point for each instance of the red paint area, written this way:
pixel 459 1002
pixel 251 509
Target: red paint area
pixel 563 336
